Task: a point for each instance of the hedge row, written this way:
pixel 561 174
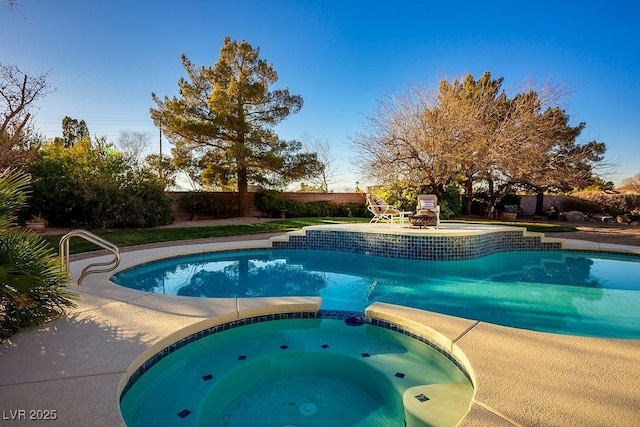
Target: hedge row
pixel 273 204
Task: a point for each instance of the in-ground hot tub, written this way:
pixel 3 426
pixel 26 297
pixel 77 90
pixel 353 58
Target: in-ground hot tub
pixel 302 368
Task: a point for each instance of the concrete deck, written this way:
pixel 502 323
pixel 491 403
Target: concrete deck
pixel 72 367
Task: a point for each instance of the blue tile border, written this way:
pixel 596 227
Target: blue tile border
pixel 433 248
pixel 321 314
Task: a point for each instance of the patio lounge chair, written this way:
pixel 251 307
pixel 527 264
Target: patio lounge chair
pixel 427 211
pixel 380 210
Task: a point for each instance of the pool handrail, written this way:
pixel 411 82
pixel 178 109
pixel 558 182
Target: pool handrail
pixel 96 240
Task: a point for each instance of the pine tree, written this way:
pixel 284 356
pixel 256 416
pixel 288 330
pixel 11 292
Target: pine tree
pixel 225 116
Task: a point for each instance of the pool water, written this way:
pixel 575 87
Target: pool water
pixel 318 401
pixel 305 372
pixel 563 292
pixel 303 388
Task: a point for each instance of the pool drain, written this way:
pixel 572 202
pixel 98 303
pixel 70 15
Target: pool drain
pixel 308 409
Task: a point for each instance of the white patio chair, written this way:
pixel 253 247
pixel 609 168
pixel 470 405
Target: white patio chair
pixel 381 211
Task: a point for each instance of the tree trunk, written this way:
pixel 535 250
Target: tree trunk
pixel 491 187
pixel 468 189
pixel 243 273
pixel 438 190
pixel 243 192
pixel 539 203
pixel 493 197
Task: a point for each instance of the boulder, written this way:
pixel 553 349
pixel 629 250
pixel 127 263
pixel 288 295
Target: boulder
pixel 573 216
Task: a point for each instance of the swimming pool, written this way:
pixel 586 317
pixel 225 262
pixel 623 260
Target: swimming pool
pixel 311 372
pixel 569 292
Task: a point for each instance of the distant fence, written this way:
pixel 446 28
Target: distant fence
pixel 232 208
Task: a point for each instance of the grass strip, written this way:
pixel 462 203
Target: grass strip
pixel 537 227
pixel 141 236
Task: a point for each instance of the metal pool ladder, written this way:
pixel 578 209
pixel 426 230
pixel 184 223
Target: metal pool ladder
pixel 96 240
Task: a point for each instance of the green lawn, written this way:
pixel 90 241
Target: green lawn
pixel 537 227
pixel 132 237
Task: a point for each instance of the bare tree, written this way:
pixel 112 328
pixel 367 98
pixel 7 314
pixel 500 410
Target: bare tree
pixel 11 4
pixel 164 167
pixel 18 94
pixel 418 137
pixel 633 182
pixel 134 144
pixel 327 173
pixel 14 6
pixel 470 130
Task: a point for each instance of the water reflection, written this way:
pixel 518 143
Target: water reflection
pixel 568 271
pixel 550 291
pixel 245 278
pixel 224 278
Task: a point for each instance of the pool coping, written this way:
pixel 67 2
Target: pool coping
pixel 74 365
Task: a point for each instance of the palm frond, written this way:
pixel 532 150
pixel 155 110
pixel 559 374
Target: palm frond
pixel 32 286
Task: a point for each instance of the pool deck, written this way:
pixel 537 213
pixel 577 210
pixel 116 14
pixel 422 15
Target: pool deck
pixel 73 366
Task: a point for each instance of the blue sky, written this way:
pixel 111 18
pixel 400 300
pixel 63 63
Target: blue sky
pixel 104 59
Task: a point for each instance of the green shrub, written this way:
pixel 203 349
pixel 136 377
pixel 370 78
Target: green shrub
pixel 578 204
pixel 319 209
pixel 81 186
pixel 451 206
pixel 406 198
pixel 351 210
pixel 203 203
pixel 272 203
pixel 32 287
pixel 269 202
pixel 402 197
pixel 614 204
